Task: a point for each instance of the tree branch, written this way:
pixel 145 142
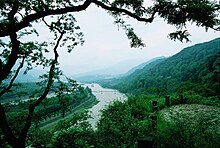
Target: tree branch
pixel 24 131
pixel 32 17
pixel 6 128
pixel 14 77
pixel 40 14
pixel 115 9
pixel 6 69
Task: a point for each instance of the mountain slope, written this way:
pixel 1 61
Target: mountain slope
pixel 125 83
pixel 117 70
pixel 142 65
pixel 195 68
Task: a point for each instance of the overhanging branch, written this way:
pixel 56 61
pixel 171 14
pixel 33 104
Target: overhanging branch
pixel 35 16
pixel 5 31
pixel 115 9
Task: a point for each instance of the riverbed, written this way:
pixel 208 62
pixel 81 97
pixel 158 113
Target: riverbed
pixel 105 96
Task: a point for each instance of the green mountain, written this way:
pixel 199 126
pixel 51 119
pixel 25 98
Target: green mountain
pixel 142 65
pixel 195 68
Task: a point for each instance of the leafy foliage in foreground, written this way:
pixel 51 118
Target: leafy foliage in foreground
pixel 50 108
pixel 190 126
pixel 72 132
pixel 75 132
pixel 122 124
pixel 18 20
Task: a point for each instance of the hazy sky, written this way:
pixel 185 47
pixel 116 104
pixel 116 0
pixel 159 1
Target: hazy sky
pixel 105 45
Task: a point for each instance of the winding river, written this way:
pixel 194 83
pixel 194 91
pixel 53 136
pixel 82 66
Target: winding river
pixel 105 97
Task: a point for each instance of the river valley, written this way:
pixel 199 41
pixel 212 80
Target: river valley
pixel 105 96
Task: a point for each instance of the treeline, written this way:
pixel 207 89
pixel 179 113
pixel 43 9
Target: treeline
pixel 20 91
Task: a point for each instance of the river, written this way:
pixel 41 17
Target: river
pixel 105 96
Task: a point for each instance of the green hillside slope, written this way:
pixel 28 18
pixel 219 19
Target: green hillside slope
pixel 196 68
pixel 142 65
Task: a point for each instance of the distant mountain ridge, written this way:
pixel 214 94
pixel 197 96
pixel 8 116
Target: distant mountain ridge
pixel 30 76
pixel 195 68
pixel 119 70
pixel 142 65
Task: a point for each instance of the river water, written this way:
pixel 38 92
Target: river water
pixel 105 96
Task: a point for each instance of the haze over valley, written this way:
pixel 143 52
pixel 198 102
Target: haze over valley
pixel 109 73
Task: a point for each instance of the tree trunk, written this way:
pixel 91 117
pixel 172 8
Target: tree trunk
pixel 18 144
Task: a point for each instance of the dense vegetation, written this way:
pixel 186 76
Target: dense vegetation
pixel 21 91
pixel 51 107
pixel 21 45
pixel 124 124
pixel 195 69
pixel 189 77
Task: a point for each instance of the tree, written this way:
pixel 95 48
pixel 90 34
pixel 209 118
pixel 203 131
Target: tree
pixel 189 126
pixel 64 101
pixel 123 123
pixel 17 19
pixel 74 132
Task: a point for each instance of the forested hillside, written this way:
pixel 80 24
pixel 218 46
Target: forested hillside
pixel 196 69
pixel 142 65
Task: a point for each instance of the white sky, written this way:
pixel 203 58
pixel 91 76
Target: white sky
pixel 105 45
